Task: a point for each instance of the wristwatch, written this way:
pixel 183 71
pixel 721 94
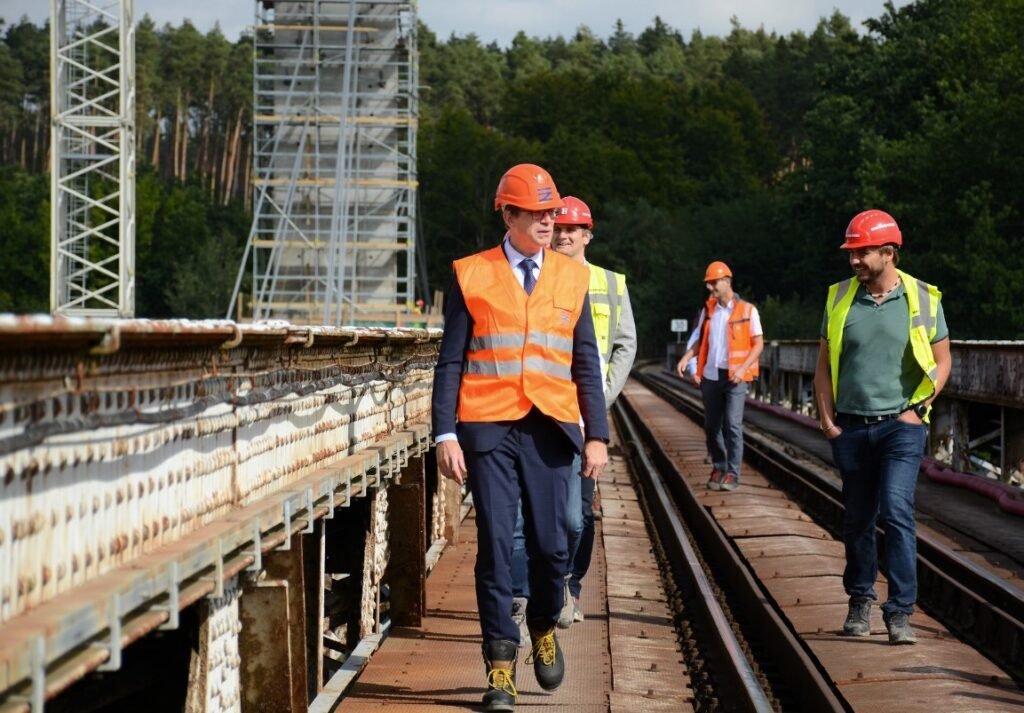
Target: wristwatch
pixel 920 409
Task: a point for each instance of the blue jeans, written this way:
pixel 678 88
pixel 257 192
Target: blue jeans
pixel 574 517
pixel 878 463
pixel 579 562
pixel 723 421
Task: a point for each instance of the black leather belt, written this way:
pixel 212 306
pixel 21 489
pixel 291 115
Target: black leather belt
pixel 857 418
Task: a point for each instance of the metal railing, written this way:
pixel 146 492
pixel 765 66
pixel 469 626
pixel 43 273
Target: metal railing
pixel 977 422
pixel 143 464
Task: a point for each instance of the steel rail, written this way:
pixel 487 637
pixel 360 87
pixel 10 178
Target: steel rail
pixel 973 602
pixel 670 495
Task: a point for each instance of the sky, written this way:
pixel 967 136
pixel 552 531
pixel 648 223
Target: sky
pixel 500 20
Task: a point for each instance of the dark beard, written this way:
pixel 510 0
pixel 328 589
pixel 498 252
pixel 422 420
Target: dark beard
pixel 866 277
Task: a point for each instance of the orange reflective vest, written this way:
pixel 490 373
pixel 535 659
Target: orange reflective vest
pixel 520 353
pixel 739 337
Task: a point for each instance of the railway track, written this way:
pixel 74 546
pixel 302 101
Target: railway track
pixel 775 571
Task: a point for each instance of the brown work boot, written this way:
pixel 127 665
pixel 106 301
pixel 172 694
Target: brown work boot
pixel 500 664
pixel 546 656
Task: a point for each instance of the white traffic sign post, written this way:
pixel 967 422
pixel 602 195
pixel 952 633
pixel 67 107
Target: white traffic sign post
pixel 680 327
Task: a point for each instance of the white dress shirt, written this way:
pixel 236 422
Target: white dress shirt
pixel 718 339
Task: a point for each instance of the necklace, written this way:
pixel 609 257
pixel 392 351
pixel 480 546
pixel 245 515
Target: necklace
pixel 883 295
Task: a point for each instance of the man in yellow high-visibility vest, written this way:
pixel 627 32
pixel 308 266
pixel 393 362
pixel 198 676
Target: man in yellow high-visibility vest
pixel 616 341
pixel 884 357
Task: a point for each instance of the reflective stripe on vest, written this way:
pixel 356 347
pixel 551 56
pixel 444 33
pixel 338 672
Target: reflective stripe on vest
pixel 740 340
pixel 498 341
pixel 606 308
pixel 923 306
pixel 521 349
pixel 512 368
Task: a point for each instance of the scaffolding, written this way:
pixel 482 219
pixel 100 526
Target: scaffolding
pixel 92 159
pixel 334 170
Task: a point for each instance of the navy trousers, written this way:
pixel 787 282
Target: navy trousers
pixel 533 462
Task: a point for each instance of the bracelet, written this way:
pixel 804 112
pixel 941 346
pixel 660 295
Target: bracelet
pixel 826 429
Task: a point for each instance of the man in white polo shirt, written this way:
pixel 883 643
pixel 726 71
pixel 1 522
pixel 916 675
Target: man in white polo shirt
pixel 727 360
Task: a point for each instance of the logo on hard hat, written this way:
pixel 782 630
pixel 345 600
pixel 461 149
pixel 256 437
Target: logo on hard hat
pixel 544 194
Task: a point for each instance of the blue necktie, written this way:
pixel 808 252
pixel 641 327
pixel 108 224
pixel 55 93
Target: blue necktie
pixel 529 281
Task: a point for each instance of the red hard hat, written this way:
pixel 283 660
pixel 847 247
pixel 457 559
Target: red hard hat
pixel 872 228
pixel 574 212
pixel 529 187
pixel 717 270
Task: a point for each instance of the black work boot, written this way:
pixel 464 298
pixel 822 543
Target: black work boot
pixel 500 664
pixel 858 618
pixel 548 661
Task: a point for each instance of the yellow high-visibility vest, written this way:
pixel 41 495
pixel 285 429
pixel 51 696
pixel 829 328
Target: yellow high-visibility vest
pixel 606 307
pixel 923 303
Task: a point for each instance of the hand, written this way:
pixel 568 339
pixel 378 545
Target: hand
pixel 595 458
pixel 737 376
pixel 910 416
pixel 681 367
pixel 683 361
pixel 451 462
pixel 832 432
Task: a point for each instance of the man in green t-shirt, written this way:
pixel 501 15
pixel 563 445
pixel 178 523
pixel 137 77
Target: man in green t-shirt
pixel 884 358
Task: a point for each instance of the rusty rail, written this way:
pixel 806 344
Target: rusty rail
pixel 970 600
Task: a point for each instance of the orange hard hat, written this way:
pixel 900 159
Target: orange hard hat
pixel 574 212
pixel 872 228
pixel 529 187
pixel 717 270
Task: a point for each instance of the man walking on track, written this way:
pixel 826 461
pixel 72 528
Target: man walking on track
pixel 727 360
pixel 884 358
pixel 517 371
pixel 616 340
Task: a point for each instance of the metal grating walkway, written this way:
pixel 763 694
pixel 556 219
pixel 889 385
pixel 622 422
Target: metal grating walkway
pixel 439 666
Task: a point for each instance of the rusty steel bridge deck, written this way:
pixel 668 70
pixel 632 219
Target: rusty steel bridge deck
pixel 223 518
pixel 623 657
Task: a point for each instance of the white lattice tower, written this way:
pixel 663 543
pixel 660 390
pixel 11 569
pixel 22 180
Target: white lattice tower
pixel 92 162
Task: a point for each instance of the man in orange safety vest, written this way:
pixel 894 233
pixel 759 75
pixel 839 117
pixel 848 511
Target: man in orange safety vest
pixel 727 361
pixel 516 372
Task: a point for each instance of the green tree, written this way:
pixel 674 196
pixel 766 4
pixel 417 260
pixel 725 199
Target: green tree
pixel 24 240
pixel 460 163
pixel 148 90
pixel 461 73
